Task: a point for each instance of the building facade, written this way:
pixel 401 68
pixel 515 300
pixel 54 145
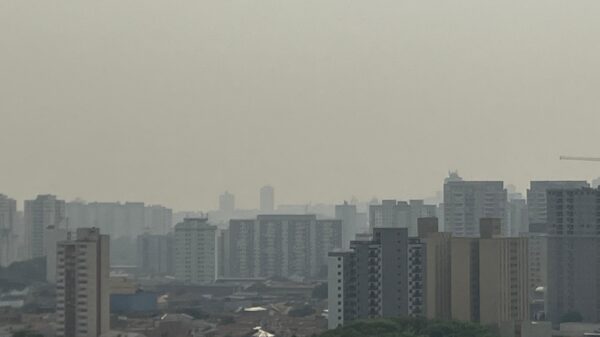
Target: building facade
pixel 120 219
pixel 52 236
pixel 83 285
pixel 383 277
pixel 400 214
pixel 573 248
pixel 8 218
pixel 503 278
pixel 227 202
pixel 478 279
pixel 438 272
pixel 536 197
pixel 43 212
pixel 280 245
pixel 156 254
pixel 348 215
pixel 465 202
pixel 267 199
pixel 195 251
pixel 518 217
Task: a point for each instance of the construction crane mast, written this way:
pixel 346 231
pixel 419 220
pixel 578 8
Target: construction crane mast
pixel 579 158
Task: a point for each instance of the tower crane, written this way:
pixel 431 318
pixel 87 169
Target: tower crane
pixel 579 158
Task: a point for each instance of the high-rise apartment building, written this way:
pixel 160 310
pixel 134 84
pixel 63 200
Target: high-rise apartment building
pixel 419 210
pixel 438 276
pixel 157 219
pixel 536 197
pixel 400 214
pixel 465 202
pixel 43 212
pixel 538 275
pixel 120 219
pixel 383 277
pixel 573 254
pixel 489 281
pixel 267 199
pixel 82 285
pixel 155 254
pixel 227 202
pixel 464 279
pixel 280 245
pixel 477 279
pixel 8 218
pixel 348 215
pixel 518 217
pixel 240 249
pixel 503 280
pixel 417 258
pixel 52 236
pixel 195 251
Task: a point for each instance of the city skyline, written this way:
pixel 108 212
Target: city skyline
pixel 299 168
pixel 252 201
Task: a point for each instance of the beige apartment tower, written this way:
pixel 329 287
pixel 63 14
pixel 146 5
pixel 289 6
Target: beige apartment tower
pixel 478 279
pixel 438 289
pixel 82 285
pixel 195 251
pixel 464 282
pixel 503 279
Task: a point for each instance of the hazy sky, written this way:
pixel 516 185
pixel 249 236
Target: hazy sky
pixel 174 102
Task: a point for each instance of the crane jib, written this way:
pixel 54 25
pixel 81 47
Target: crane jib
pixel 579 158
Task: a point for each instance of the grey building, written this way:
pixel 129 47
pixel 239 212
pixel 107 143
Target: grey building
pixel 573 261
pixel 400 214
pixel 280 245
pixel 157 219
pixel 417 258
pixel 383 277
pixel 348 215
pixel 8 218
pixel 536 197
pixel 155 254
pixel 267 199
pixel 195 251
pixel 82 285
pixel 518 217
pixel 43 212
pixel 120 219
pixel 466 202
pixel 227 202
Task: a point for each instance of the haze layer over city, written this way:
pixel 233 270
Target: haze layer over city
pixel 268 168
pixel 174 103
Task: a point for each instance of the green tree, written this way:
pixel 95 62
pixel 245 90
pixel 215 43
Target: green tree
pixel 410 327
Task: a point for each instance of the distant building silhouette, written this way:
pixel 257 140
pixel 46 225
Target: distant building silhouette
pixel 400 214
pixel 156 254
pixel 227 202
pixel 466 202
pixel 118 220
pixel 267 199
pixel 280 245
pixel 8 219
pixel 349 217
pixel 43 212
